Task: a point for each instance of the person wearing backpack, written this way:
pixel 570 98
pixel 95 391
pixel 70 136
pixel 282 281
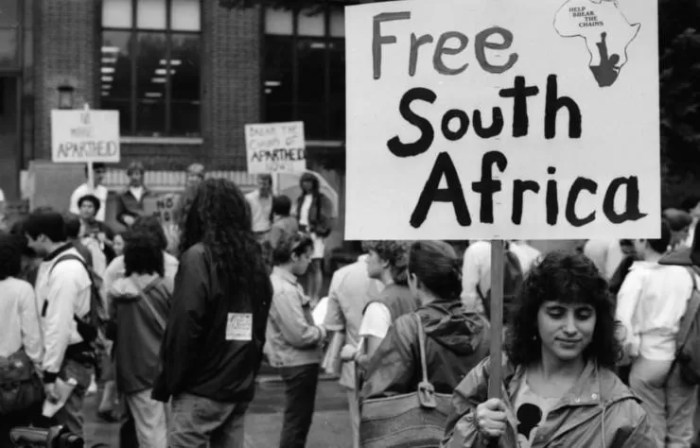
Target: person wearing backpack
pixel 650 304
pixel 476 274
pixel 139 304
pixel 63 292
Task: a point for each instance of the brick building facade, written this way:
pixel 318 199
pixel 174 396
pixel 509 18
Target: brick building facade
pixel 60 44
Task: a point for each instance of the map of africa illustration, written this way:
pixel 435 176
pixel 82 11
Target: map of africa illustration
pixel 606 31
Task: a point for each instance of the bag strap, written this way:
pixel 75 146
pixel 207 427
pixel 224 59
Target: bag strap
pixel 691 312
pixel 686 322
pixel 421 348
pixel 159 319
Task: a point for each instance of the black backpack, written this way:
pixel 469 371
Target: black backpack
pixel 688 338
pixel 90 326
pixel 512 282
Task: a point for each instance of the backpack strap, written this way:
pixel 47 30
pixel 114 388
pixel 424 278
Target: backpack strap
pixel 159 319
pixel 93 287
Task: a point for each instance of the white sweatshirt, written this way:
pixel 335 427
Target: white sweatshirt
pixel 60 296
pixel 650 304
pixel 20 320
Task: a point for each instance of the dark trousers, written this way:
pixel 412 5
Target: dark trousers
pixel 300 394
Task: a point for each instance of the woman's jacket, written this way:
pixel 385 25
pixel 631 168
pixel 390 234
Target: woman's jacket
pixel 599 411
pixel 456 340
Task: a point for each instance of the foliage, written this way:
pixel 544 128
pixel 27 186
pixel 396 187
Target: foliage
pixel 679 52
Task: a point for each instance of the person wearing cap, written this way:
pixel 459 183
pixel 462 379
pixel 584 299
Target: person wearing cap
pixel 99 191
pixel 650 304
pixel 130 201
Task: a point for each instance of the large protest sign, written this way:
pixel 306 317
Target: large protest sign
pixel 85 136
pixel 275 147
pixel 501 119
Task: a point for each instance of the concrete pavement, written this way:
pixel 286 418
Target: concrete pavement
pixel 330 428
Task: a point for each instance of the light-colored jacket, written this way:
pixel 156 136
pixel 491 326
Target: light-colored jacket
pixel 19 327
pixel 292 339
pixel 61 292
pixel 599 411
pixel 650 305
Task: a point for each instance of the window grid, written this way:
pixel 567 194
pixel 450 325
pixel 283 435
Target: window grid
pixel 133 49
pixel 329 43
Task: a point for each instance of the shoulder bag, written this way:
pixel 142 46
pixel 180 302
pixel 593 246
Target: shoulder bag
pixel 20 386
pixel 415 419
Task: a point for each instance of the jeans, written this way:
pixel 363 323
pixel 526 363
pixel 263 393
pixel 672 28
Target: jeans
pixel 71 414
pixel 667 400
pixel 199 422
pixel 149 419
pixel 354 406
pixel 300 394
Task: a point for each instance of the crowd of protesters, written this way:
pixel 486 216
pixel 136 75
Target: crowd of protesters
pixel 175 321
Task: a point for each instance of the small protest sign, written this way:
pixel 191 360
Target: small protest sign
pixel 85 136
pixel 275 147
pixel 162 207
pixel 502 120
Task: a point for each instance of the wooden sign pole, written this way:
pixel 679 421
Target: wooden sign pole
pixel 90 168
pixel 496 374
pixel 91 176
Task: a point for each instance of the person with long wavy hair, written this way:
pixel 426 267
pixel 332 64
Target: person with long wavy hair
pixel 215 335
pixel 558 384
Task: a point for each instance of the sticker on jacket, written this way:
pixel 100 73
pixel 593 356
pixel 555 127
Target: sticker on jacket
pixel 239 327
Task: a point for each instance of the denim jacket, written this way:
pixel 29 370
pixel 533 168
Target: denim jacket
pixel 599 411
pixel 292 338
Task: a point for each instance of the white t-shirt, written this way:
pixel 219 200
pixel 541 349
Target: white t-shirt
pixel 100 193
pixel 304 212
pixel 137 192
pixel 376 321
pixel 260 211
pixel 2 196
pixel 531 412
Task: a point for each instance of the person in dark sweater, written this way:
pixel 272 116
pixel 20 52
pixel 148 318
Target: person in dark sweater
pixel 213 343
pixel 386 262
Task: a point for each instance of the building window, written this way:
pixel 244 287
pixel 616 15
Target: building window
pixel 304 69
pixel 9 31
pixel 150 68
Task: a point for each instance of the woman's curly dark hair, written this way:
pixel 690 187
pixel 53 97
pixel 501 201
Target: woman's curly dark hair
pixel 569 278
pixel 219 217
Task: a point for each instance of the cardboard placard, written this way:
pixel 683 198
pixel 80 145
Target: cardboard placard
pixel 502 120
pixel 85 136
pixel 163 207
pixel 275 147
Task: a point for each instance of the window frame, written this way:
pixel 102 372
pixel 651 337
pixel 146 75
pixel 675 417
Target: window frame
pixel 134 31
pixel 294 40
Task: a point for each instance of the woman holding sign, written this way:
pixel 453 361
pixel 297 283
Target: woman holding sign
pixel 558 388
pixel 314 214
